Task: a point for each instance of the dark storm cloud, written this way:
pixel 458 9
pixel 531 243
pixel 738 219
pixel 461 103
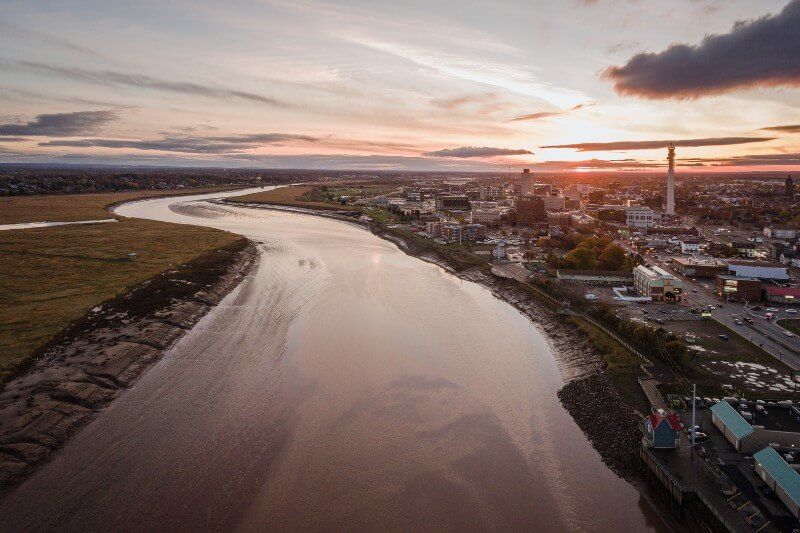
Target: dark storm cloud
pixel 61 124
pixel 791 128
pixel 227 144
pixel 476 151
pixel 143 81
pixel 651 145
pixel 764 52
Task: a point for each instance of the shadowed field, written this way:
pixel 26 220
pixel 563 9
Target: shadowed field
pixel 53 276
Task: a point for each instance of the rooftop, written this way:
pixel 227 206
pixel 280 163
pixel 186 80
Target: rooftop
pixel 732 419
pixel 783 474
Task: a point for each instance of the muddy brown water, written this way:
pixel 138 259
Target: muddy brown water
pixel 344 385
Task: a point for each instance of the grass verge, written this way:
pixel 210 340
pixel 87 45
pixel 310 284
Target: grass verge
pixel 622 367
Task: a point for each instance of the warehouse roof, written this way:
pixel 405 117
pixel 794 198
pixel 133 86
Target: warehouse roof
pixel 732 420
pixel 783 474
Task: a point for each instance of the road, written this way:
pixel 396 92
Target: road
pixel 764 333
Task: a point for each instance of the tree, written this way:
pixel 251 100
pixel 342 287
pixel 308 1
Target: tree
pixel 581 259
pixel 612 257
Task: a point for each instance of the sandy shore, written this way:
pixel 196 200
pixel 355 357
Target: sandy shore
pixel 92 362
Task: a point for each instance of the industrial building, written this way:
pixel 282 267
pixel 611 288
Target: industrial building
pixel 782 295
pixel 738 288
pixel 780 477
pixel 763 270
pixel 593 277
pixel 657 283
pixel 735 428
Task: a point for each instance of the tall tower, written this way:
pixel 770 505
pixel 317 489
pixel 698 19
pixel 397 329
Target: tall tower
pixel 671 180
pixel 789 186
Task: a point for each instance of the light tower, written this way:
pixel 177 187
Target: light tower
pixel 671 180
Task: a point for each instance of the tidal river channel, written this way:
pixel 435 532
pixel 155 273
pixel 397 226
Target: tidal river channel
pixel 344 385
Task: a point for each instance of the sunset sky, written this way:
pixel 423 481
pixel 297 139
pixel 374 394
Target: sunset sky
pixel 441 85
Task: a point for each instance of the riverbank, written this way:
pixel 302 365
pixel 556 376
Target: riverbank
pixel 90 363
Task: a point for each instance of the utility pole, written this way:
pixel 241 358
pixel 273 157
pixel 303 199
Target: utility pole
pixel 694 409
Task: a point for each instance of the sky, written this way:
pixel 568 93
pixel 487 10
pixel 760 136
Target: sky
pixel 556 85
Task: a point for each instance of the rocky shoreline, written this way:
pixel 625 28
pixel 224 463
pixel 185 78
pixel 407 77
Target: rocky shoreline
pixel 96 358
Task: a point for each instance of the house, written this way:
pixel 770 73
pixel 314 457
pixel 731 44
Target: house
pixel 662 431
pixel 780 477
pixel 735 428
pixel 690 246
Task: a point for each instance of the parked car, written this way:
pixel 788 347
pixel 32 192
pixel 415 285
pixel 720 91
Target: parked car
pixel 723 336
pixel 791 310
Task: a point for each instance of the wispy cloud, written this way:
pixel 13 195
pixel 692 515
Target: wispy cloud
pixel 790 128
pixel 62 124
pixel 547 114
pixel 764 52
pixel 143 81
pixel 476 151
pixel 190 144
pixel 650 145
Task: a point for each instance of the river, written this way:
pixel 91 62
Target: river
pixel 343 385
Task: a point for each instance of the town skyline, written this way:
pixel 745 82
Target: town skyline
pixel 321 85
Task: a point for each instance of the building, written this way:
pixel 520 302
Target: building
pixel 462 232
pixel 762 270
pixel 698 268
pixel 780 477
pixel 639 217
pixel 562 219
pixel 735 428
pixel 530 210
pixel 572 193
pixel 738 288
pixel 486 217
pixel 789 186
pixel 526 182
pixel 745 248
pixel 657 283
pixel 582 222
pixel 554 203
pixel 593 277
pixel 452 203
pixel 662 431
pixel 780 232
pixel 490 192
pixel 690 246
pixel 596 196
pixel 782 295
pixel 671 180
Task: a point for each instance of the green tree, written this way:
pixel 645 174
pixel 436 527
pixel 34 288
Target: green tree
pixel 581 259
pixel 612 257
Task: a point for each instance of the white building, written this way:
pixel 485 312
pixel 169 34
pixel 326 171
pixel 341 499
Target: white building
pixel 486 217
pixel 759 269
pixel 656 283
pixel 639 217
pixel 690 246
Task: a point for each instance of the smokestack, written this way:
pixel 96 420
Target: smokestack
pixel 671 180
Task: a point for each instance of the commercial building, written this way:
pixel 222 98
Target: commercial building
pixel 735 428
pixel 526 182
pixel 639 217
pixel 780 232
pixel 486 217
pixel 782 295
pixel 671 180
pixel 657 283
pixel 763 270
pixel 452 203
pixel 554 203
pixel 490 192
pixel 530 210
pixel 582 222
pixel 738 288
pixel 462 232
pixel 780 477
pixel 562 219
pixel 699 268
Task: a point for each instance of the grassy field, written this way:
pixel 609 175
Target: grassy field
pixel 306 196
pixel 53 276
pixel 792 324
pixel 622 367
pixel 73 207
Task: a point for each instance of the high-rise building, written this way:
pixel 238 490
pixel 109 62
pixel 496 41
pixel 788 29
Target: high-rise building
pixel 789 186
pixel 671 180
pixel 526 184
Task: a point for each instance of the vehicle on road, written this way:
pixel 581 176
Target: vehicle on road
pixel 791 310
pixel 694 290
pixel 772 310
pixel 711 308
pixel 738 322
pixel 723 336
pixel 769 316
pixel 788 333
